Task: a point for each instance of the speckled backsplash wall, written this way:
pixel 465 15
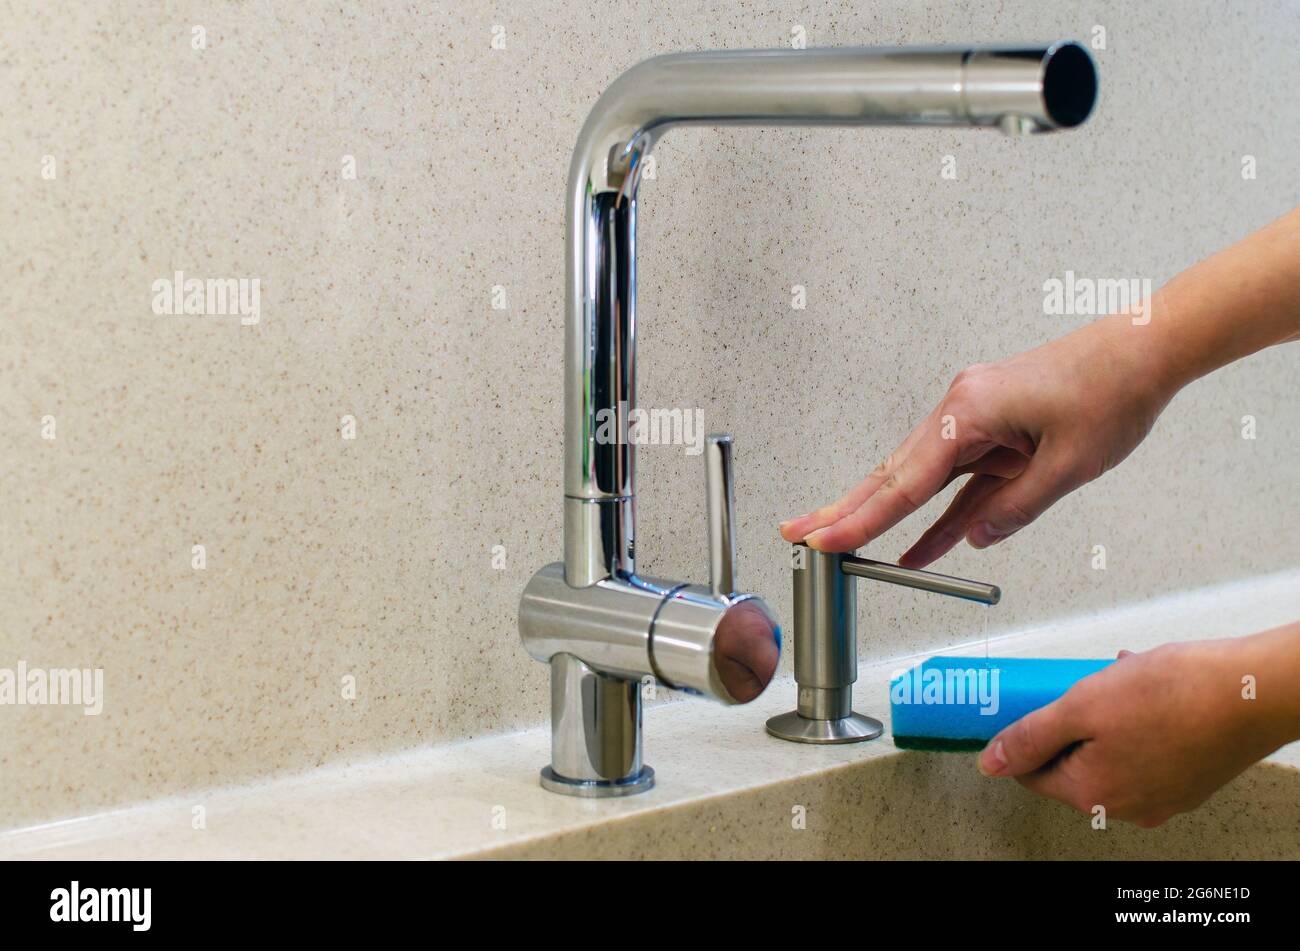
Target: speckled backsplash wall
pixel 417 307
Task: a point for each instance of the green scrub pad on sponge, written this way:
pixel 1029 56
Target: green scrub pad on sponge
pixel 958 704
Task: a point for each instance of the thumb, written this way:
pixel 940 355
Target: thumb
pixel 1022 499
pixel 1030 742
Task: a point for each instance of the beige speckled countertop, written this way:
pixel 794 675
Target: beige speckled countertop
pixel 721 780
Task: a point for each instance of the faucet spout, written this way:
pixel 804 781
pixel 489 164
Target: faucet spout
pixel 1017 89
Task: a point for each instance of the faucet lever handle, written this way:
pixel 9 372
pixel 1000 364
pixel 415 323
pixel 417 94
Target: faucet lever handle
pixel 720 492
pixel 924 580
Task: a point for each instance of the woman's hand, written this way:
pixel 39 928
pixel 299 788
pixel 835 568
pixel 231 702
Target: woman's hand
pixel 1028 430
pixel 1154 734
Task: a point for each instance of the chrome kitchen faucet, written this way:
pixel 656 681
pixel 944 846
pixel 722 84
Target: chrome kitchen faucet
pixel 602 627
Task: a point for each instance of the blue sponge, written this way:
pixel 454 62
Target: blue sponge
pixel 960 703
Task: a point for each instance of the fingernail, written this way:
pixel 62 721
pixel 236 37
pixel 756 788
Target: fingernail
pixel 993 760
pixel 790 530
pixel 983 535
pixel 812 540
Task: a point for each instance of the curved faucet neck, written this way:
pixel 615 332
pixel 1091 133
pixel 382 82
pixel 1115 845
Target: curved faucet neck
pixel 1037 88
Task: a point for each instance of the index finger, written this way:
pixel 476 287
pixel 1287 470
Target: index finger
pixel 917 477
pixel 797 529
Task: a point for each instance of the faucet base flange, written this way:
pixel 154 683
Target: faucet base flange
pixel 854 728
pixel 598 788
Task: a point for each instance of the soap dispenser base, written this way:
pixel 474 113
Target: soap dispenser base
pixel 853 728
